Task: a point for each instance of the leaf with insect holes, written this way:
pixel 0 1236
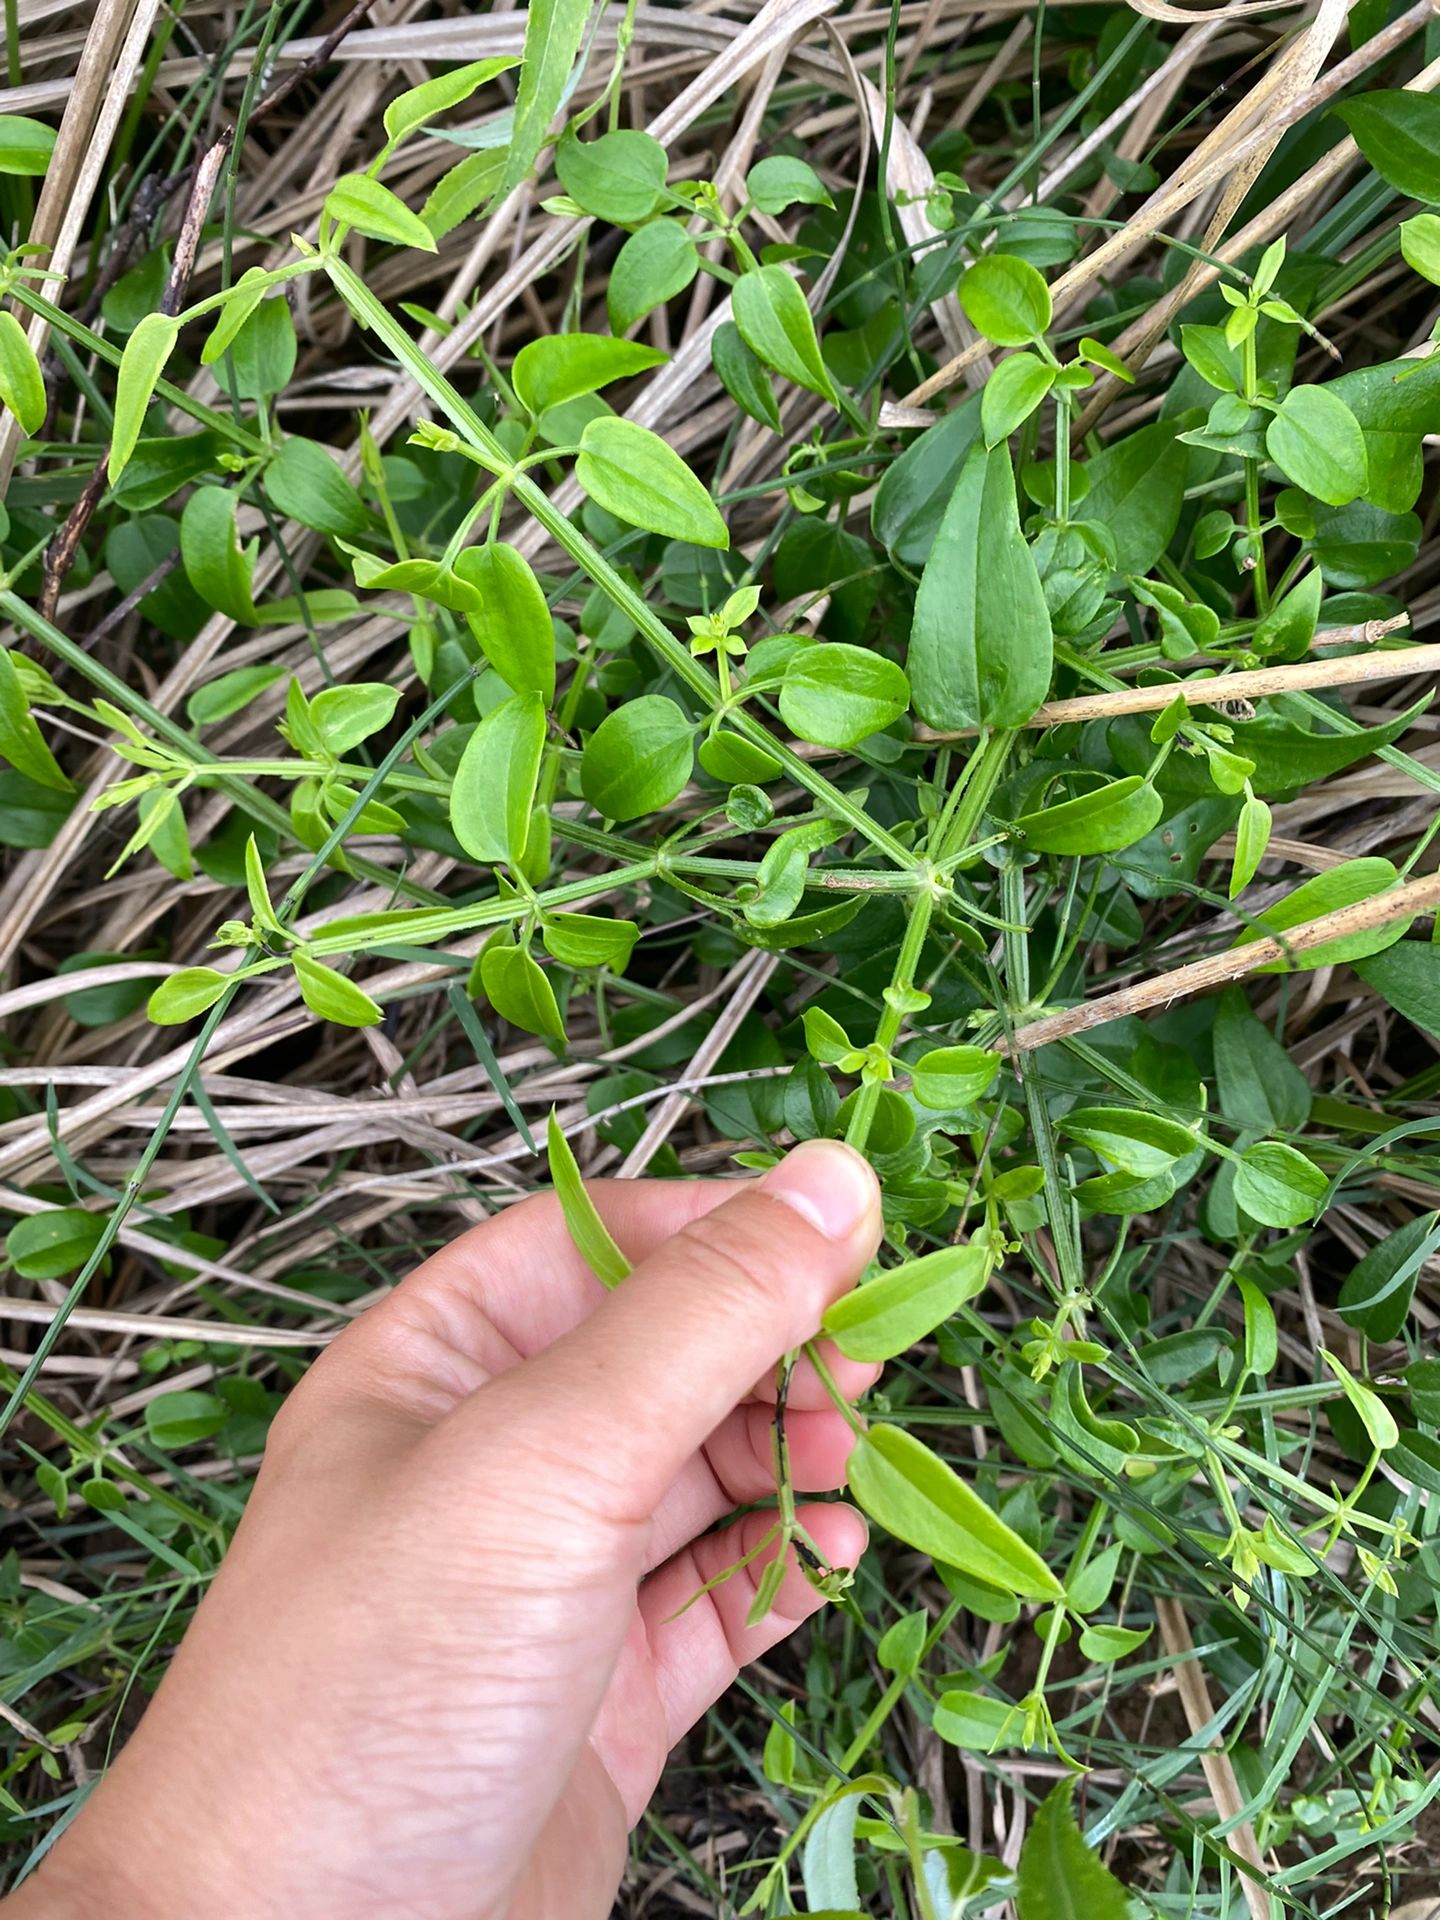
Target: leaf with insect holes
pixel 890 1313
pixel 911 1492
pixel 494 786
pixel 633 474
pixel 22 387
pixel 586 1228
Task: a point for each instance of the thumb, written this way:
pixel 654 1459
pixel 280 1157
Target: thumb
pixel 656 1368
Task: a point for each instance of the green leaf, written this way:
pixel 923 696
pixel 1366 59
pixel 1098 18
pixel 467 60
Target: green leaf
pixel 975 1723
pixel 836 695
pixel 1252 837
pixel 1131 1139
pixel 633 474
pixel 1277 1185
pixel 1399 134
pixel 743 376
pixel 554 30
pixel 949 1077
pixel 776 325
pixel 1420 244
pixel 185 1418
pixel 586 1228
pixel 231 694
pixel 331 996
pixel 1104 1644
pixel 1012 393
pixel 1286 631
pixel 1104 820
pixel 357 201
pixel 588 940
pixel 638 758
pixel 618 177
pixel 184 994
pixel 22 387
pixel 911 1492
pixel 1408 976
pixel 141 365
pixel 240 302
pixel 1316 442
pixel 495 782
pixel 915 489
pixel 1260 1088
pixel 344 716
pixel 218 566
pixel 1347 885
pixel 1060 1878
pixel 561 366
pixel 21 741
pixel 463 190
pixel 890 1313
pixel 409 111
pixel 726 756
pixel 513 624
pixel 1089 1589
pixel 1137 487
pixel 1262 1339
pixel 1375 1416
pixel 305 481
pixel 1006 299
pixel 516 986
pixel 782 181
pixel 980 645
pixel 262 356
pixel 1377 1293
pixel 25 145
pixel 655 264
pixel 46 1246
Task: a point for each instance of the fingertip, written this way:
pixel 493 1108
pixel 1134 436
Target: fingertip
pixel 830 1186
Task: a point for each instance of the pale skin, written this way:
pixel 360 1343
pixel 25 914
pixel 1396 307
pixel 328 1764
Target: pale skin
pixel 441 1667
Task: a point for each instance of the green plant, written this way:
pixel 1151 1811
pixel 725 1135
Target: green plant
pixel 950 737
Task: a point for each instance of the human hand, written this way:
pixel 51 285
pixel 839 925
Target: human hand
pixel 442 1664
